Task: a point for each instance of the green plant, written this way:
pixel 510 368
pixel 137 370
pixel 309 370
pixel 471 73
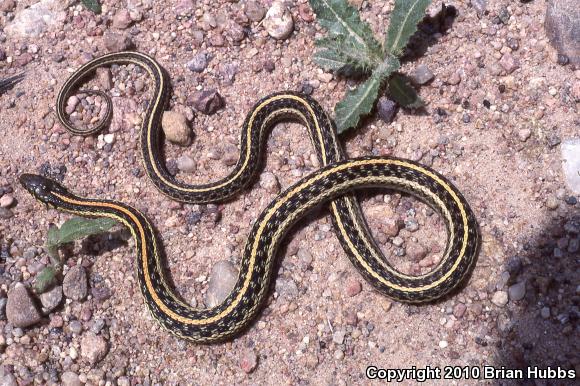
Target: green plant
pixel 350 48
pixel 92 5
pixel 73 229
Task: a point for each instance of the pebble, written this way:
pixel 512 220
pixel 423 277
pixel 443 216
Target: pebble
pixel 509 63
pixel 7 5
pixel 199 62
pixel 5 213
pixel 116 41
pixel 104 78
pixel 386 109
pixel 500 298
pixel 353 287
pixel 479 5
pixel 269 182
pixel 278 21
pixel 8 380
pixel 570 152
pixel 222 279
pixel 545 312
pixel 286 288
pixel 175 127
pixel 69 378
pixel 443 344
pixel 93 347
pixel 208 102
pixel 186 164
pixel 459 310
pixel 524 134
pixel 34 20
pixel 517 291
pixel 6 201
pixel 51 299
pixel 109 138
pixel 422 75
pixel 20 308
pixel 552 203
pixel 75 285
pixel 248 361
pixel 255 11
pixel 416 251
pixel 338 336
pixel 122 19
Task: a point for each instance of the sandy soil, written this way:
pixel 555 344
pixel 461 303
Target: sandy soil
pixel 312 331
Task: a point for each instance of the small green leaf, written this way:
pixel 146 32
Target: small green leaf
pixel 356 103
pixel 45 279
pixel 343 21
pixel 404 19
pixel 77 228
pixel 401 91
pixel 92 5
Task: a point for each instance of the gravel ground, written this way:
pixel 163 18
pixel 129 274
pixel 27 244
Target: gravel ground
pixel 499 105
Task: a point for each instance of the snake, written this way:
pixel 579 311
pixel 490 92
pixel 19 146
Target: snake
pixel 334 184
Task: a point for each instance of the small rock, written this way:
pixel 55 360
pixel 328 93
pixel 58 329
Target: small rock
pixel 20 308
pixel 122 19
pixel 5 213
pixel 278 21
pixel 7 5
pixel 248 361
pixel 8 379
pixel 509 63
pixel 116 41
pixel 255 11
pixel 286 288
pixel 422 75
pixel 500 298
pixel 570 150
pixel 391 226
pixel 517 291
pixel 69 378
pixel 109 138
pixel 51 299
pixel 104 78
pixel 552 203
pixel 6 201
pixel 199 62
pixel 459 310
pixel 562 23
pixel 545 312
pixel 231 155
pixel 416 251
pixel 338 336
pixel 524 134
pixel 386 109
pixel 175 127
pixel 36 19
pixel 443 344
pixel 479 5
pixel 222 279
pixel 93 347
pixel 208 102
pixel 185 164
pixel 353 287
pixel 269 182
pixel 74 285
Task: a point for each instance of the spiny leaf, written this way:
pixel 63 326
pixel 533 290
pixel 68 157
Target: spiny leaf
pixel 342 56
pixel 402 92
pixel 404 19
pixel 92 5
pixel 356 103
pixel 342 20
pixel 360 101
pixel 78 227
pixel 52 244
pixel 45 279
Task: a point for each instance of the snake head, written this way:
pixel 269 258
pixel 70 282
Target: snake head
pixel 42 188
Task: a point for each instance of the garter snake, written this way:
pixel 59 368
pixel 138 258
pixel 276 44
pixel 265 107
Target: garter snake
pixel 333 183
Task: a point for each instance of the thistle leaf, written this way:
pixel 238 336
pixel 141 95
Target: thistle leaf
pixel 401 91
pixel 404 19
pixel 77 228
pixel 92 5
pixel 343 21
pixel 360 101
pixel 356 103
pixel 340 55
pixel 45 279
